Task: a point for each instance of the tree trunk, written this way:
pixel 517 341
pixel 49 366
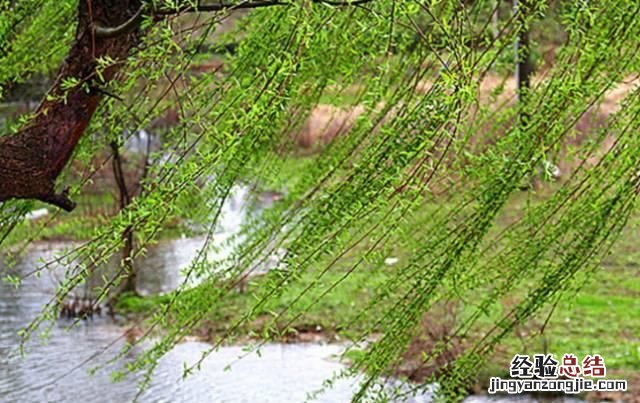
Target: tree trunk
pixel 524 68
pixel 32 159
pixel 127 258
pixel 495 20
pixel 127 236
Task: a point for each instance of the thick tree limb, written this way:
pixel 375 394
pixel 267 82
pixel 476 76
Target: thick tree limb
pixel 219 7
pixel 32 159
pixel 128 26
pixel 248 4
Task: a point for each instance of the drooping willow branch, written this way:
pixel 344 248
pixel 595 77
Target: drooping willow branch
pixel 32 159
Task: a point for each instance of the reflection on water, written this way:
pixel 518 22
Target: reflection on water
pixel 162 268
pixel 46 373
pixel 29 378
pixel 282 373
pixel 57 371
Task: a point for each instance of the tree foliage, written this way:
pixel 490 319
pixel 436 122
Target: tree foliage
pixel 426 137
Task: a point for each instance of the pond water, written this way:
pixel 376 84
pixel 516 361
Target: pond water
pixel 53 370
pixel 57 370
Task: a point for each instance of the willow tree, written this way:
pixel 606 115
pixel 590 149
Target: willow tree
pixel 426 130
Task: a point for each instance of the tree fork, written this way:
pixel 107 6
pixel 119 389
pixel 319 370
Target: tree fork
pixel 32 159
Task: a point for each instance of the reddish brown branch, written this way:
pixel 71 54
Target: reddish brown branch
pixel 248 4
pixel 219 7
pixel 32 159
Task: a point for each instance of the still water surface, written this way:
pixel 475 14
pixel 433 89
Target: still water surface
pixel 57 370
pixel 281 373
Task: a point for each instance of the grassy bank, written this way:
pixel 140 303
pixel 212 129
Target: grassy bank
pixel 92 212
pixel 601 317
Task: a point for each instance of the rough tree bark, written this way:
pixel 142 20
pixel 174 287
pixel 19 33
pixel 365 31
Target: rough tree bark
pixel 32 159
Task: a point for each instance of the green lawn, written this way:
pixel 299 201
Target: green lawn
pixel 603 317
